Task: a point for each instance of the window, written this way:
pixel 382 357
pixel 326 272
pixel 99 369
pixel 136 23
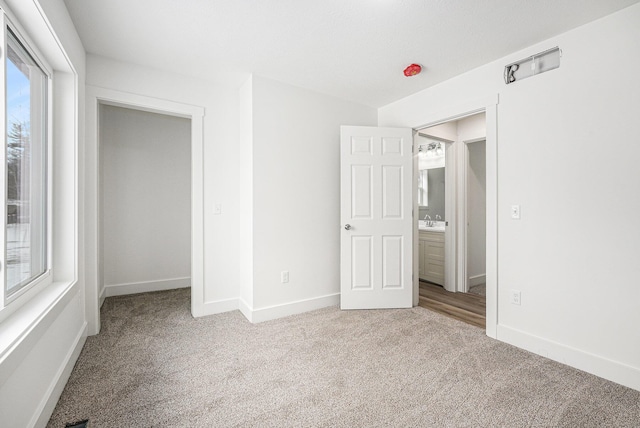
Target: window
pixel 25 168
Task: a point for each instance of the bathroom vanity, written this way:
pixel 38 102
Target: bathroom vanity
pixel 431 244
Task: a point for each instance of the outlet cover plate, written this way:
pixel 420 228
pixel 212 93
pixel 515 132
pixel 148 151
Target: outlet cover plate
pixel 516 297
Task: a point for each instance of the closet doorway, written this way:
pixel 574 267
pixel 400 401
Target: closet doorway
pixel 96 97
pixel 144 201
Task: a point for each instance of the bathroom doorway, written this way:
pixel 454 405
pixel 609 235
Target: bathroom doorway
pixel 435 208
pixel 451 159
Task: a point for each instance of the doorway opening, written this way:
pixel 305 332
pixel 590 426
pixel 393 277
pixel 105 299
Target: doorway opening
pixel 97 97
pixel 144 201
pixel 452 247
pixel 435 208
pixel 475 213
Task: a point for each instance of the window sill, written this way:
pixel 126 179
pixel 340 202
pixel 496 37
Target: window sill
pixel 24 294
pixel 22 329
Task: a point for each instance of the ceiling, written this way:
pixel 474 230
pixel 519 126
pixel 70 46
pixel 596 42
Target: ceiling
pixel 352 49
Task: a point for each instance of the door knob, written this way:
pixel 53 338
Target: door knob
pixel 347 227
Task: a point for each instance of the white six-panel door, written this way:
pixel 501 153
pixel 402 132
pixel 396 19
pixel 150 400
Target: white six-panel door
pixel 376 215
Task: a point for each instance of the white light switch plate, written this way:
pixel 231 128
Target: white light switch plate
pixel 217 209
pixel 515 212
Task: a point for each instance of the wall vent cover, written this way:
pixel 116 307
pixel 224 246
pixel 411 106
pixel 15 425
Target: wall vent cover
pixel 79 424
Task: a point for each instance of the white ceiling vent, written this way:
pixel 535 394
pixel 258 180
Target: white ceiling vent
pixel 535 64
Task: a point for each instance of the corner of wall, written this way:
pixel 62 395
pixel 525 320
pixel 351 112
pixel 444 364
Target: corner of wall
pixel 245 95
pixel 269 313
pixel 245 309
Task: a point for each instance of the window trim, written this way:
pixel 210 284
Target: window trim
pixel 11 302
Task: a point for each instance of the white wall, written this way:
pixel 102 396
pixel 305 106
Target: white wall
pixel 49 330
pixel 447 131
pixel 29 390
pixel 146 200
pixel 245 189
pixel 471 128
pixel 269 172
pixel 221 162
pixel 296 196
pixel 476 213
pixel 579 299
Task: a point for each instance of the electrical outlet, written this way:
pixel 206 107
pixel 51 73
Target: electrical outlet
pixel 284 276
pixel 515 212
pixel 515 297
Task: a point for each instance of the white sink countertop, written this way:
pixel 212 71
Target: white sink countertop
pixel 438 226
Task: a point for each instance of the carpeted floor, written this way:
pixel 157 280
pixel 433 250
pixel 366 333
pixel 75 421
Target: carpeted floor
pixel 153 365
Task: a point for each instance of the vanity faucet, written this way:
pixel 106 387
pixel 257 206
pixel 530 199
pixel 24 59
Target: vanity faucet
pixel 429 222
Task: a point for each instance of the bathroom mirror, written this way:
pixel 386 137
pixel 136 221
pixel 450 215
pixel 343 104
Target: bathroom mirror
pixel 423 188
pixel 431 180
pixel 431 195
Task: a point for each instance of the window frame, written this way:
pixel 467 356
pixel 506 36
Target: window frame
pixel 24 293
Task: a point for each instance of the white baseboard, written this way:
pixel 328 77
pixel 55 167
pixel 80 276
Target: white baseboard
pixel 590 363
pixel 146 286
pixel 245 309
pixel 286 309
pixel 48 403
pixel 103 295
pixel 214 307
pixel 270 312
pixel 477 280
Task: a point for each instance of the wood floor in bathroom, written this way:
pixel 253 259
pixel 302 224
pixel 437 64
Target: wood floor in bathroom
pixel 466 307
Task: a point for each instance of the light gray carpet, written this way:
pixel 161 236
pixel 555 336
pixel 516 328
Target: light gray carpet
pixel 480 289
pixel 153 365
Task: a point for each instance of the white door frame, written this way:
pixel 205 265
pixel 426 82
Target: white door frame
pixel 93 264
pixel 488 105
pixel 463 203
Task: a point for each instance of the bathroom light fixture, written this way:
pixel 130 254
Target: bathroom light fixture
pixel 432 149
